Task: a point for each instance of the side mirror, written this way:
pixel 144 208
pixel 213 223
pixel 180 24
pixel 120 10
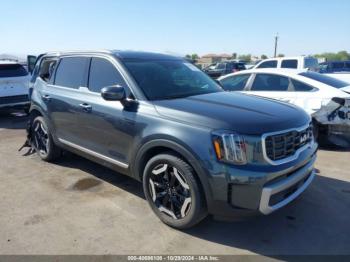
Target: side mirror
pixel 31 60
pixel 113 93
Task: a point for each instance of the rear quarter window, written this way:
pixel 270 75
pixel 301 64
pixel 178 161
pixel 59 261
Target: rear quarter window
pixel 302 87
pixel 12 70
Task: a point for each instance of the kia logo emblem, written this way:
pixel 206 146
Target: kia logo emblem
pixel 304 138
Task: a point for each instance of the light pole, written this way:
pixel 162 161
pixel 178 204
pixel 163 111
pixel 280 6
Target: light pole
pixel 276 41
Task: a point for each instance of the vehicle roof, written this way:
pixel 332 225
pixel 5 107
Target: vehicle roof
pixel 284 71
pixel 288 57
pixel 121 54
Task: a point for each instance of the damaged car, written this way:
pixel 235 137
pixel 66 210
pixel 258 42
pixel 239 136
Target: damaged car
pixel 325 98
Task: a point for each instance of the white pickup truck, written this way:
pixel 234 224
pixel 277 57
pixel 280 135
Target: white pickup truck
pixel 14 81
pixel 295 62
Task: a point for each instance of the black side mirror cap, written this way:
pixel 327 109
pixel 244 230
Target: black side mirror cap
pixel 113 93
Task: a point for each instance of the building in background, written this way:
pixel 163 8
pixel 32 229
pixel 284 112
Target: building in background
pixel 210 59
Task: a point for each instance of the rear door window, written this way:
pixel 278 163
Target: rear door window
pixel 268 64
pixel 235 83
pixel 12 70
pixel 290 63
pixel 102 74
pixel 71 72
pixel 269 82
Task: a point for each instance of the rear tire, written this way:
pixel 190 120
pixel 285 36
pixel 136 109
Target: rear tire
pixel 173 192
pixel 42 140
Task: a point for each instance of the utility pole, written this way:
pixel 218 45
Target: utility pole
pixel 276 41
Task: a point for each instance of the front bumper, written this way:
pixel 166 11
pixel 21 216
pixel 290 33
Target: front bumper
pixel 240 193
pixel 279 194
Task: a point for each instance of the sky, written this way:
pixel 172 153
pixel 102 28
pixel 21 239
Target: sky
pixel 178 26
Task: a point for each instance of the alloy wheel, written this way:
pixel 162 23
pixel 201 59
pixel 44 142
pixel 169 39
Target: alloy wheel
pixel 170 191
pixel 40 138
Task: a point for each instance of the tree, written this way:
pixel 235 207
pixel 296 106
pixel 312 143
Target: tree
pixel 188 56
pixel 234 56
pixel 246 58
pixel 194 56
pixel 263 57
pixel 340 56
pixel 280 55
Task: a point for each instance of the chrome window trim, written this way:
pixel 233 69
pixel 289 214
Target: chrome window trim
pixel 290 158
pixel 95 154
pixel 107 56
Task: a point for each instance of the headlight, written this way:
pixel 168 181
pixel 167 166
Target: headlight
pixel 230 148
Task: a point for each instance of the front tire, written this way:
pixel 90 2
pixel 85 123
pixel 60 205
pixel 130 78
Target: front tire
pixel 173 192
pixel 42 140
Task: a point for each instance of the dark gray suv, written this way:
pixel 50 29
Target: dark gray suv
pixel 162 121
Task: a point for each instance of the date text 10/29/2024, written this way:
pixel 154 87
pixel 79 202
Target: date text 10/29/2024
pixel 173 258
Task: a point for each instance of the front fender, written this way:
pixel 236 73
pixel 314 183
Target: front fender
pixel 178 147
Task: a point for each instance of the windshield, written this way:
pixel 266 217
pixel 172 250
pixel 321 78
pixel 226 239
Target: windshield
pixel 12 70
pixel 168 79
pixel 331 81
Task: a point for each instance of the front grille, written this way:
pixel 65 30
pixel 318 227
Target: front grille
pixel 13 99
pixel 283 145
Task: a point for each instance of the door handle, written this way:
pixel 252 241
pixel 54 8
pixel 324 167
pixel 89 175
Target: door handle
pixel 46 97
pixel 86 107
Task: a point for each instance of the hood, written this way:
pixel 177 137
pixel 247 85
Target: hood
pixel 346 89
pixel 233 111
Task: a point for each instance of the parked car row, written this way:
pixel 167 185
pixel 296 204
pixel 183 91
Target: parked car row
pixel 224 68
pixel 197 149
pixel 335 66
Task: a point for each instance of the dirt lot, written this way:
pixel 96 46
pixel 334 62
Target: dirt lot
pixel 77 207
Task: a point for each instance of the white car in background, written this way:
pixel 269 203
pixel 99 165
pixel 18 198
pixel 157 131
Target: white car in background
pixel 295 62
pixel 14 83
pixel 323 97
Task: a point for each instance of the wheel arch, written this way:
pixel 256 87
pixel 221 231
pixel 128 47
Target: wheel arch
pixel 158 146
